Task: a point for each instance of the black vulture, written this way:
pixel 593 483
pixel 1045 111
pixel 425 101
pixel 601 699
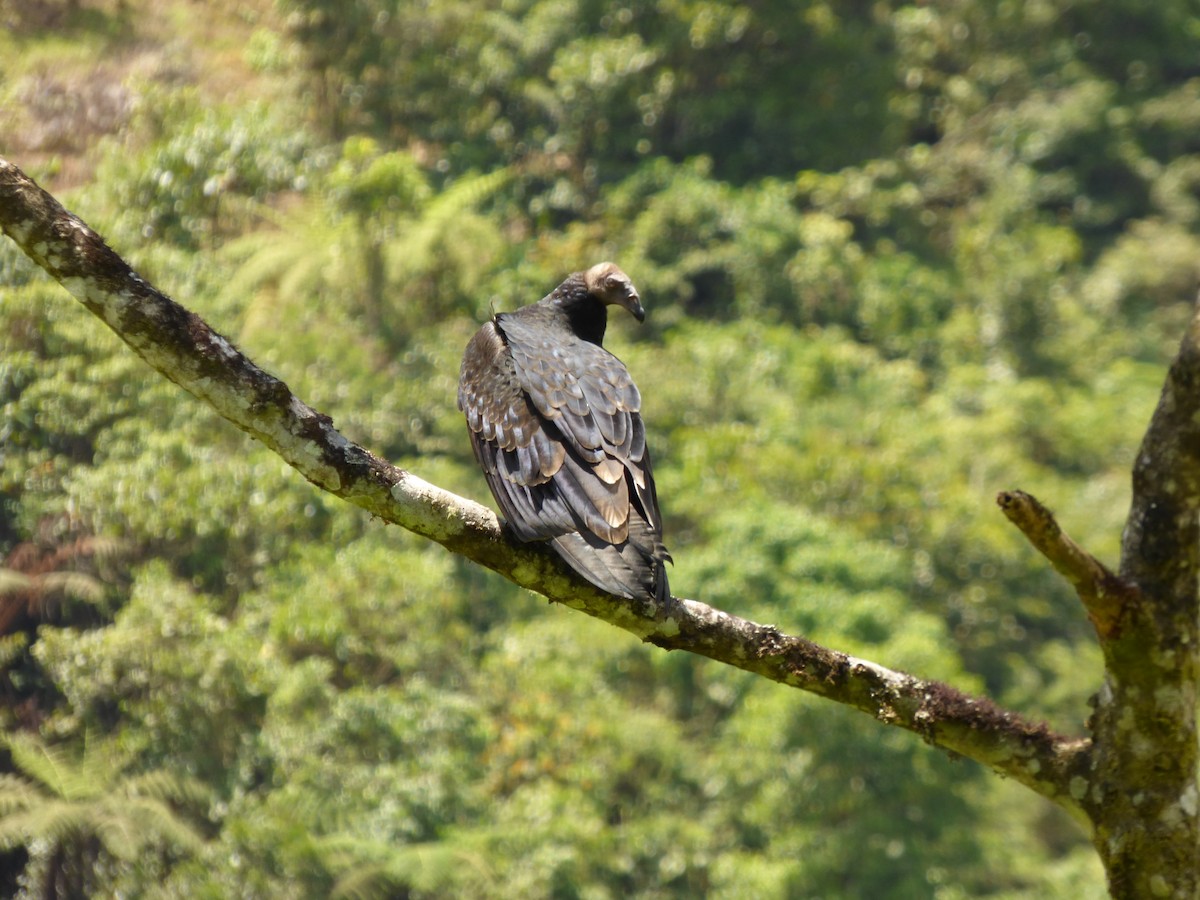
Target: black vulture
pixel 555 421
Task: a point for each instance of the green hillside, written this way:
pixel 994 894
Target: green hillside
pixel 896 258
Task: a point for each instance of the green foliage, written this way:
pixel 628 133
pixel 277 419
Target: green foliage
pixel 377 245
pixel 192 183
pixel 897 258
pixel 164 638
pixel 84 822
pixel 577 93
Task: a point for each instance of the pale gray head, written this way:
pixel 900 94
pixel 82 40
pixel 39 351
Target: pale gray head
pixel 612 287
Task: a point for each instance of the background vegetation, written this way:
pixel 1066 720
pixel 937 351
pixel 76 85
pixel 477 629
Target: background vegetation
pixel 897 258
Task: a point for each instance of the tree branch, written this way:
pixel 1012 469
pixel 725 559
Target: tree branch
pixel 1102 593
pixel 1143 789
pixel 182 347
pixel 1160 549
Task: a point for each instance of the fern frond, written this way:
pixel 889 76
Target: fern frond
pixel 268 259
pixel 52 822
pixel 17 794
pixel 14 582
pixel 103 547
pixel 128 829
pixel 172 828
pixel 377 869
pixel 76 585
pixel 40 762
pixel 412 250
pixel 372 882
pixel 165 787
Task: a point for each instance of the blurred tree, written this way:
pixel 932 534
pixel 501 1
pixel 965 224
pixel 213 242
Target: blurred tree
pixel 379 246
pixel 197 179
pixel 576 93
pixel 33 578
pixel 84 821
pixel 897 256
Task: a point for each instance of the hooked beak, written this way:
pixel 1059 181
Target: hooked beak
pixel 632 301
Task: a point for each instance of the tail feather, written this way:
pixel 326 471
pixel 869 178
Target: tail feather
pixel 629 569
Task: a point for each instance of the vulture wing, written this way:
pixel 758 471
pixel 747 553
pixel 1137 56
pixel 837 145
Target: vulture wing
pixel 556 426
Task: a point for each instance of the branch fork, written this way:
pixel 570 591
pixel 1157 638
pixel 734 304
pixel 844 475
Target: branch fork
pixel 1104 595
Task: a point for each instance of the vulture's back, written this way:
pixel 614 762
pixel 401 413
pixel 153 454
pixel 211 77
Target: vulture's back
pixel 555 421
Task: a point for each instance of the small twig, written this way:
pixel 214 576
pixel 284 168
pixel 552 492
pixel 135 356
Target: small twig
pixel 1103 594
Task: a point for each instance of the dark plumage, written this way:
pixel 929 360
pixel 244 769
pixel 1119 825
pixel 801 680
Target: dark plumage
pixel 556 424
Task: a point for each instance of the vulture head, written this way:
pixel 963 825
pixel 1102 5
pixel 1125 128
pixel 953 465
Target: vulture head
pixel 612 287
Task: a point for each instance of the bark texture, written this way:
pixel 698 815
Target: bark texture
pixel 1141 790
pixel 1133 781
pixel 1139 787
